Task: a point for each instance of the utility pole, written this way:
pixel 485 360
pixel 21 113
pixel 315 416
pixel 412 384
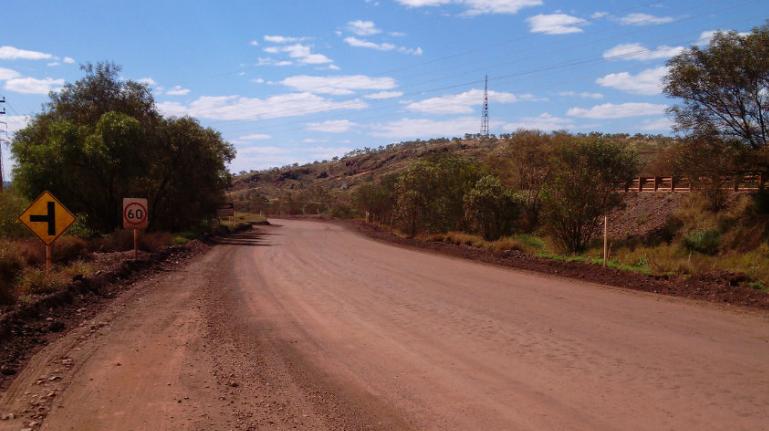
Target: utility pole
pixel 485 111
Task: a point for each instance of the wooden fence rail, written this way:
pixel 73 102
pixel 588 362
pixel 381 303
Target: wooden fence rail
pixel 736 183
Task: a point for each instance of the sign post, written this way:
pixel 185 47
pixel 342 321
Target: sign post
pixel 605 239
pixel 47 218
pixel 135 217
pixel 226 210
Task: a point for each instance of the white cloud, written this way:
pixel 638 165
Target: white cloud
pixel 647 82
pixel 636 51
pixel 282 39
pixel 463 103
pixel 233 108
pixel 68 60
pixel 407 128
pixel 13 53
pixel 29 85
pixel 8 74
pixel 331 126
pixel 707 36
pixel 361 43
pixel 621 110
pixel 16 122
pixel 477 7
pixel 251 138
pixel 254 43
pixel 178 90
pixel 263 61
pixel 384 95
pixel 645 19
pixel 302 53
pixel 557 23
pixel 261 157
pixel 338 85
pixel 147 81
pixel 544 122
pixel 384 46
pixel 599 15
pixel 658 125
pixel 582 94
pixel 363 28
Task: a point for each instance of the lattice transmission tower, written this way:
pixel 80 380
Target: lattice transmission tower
pixel 485 111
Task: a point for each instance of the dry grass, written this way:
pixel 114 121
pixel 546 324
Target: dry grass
pixel 521 242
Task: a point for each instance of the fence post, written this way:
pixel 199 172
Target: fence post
pixel 605 238
pixel 640 184
pixel 673 183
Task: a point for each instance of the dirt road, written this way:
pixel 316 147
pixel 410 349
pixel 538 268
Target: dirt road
pixel 310 326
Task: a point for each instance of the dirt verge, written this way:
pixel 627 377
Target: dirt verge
pixel 721 288
pixel 28 327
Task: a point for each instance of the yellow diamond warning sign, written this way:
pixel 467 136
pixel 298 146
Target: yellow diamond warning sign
pixel 47 218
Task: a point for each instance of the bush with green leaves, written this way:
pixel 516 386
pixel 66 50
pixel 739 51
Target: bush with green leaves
pixel 491 208
pixel 101 139
pixel 705 241
pixel 586 174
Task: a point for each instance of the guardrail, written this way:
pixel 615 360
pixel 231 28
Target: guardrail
pixel 735 183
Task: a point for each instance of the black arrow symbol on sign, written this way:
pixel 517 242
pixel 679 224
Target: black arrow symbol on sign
pixel 49 218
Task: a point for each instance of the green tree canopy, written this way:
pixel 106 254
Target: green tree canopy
pixel 101 139
pixel 582 187
pixel 724 88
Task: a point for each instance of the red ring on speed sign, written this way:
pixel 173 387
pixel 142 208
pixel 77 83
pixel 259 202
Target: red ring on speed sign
pixel 128 207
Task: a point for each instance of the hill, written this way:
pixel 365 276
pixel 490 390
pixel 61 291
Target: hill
pixel 329 180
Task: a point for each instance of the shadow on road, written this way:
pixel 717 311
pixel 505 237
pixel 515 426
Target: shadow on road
pixel 253 238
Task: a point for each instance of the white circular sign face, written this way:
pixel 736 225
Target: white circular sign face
pixel 135 214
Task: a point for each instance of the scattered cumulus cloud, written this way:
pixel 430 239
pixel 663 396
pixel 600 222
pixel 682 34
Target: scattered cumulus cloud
pixel 338 85
pixel 6 74
pixel 384 46
pixel 16 122
pixel 636 51
pixel 363 28
pixel 331 126
pixel 282 39
pixel 68 60
pixel 608 111
pixel 647 82
pixel 232 108
pixel 178 90
pixel 253 137
pixel 658 125
pixel 300 52
pixel 409 128
pixel 381 95
pixel 265 61
pixel 707 36
pixel 544 122
pixel 557 23
pixel 464 102
pixel 645 19
pixel 581 94
pixel 28 85
pixel 476 7
pixel 12 53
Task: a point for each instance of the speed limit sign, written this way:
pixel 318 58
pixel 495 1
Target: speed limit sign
pixel 135 215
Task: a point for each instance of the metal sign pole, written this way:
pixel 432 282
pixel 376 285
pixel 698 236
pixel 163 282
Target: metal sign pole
pixel 136 244
pixel 605 239
pixel 48 253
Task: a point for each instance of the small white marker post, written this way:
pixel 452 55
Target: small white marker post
pixel 605 239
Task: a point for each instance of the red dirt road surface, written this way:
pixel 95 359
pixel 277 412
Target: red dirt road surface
pixel 307 325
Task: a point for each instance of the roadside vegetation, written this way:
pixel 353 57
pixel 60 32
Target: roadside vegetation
pixel 546 194
pixel 98 140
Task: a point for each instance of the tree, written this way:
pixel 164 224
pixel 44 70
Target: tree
pixel 491 208
pixel 582 188
pixel 415 196
pixel 724 87
pixel 708 162
pixel 100 139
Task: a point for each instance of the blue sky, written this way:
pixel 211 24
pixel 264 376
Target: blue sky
pixel 295 81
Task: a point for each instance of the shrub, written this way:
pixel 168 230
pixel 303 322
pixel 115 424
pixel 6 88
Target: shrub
pixel 69 248
pixel 11 205
pixel 154 241
pixel 10 268
pixel 705 241
pixel 35 281
pixel 491 208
